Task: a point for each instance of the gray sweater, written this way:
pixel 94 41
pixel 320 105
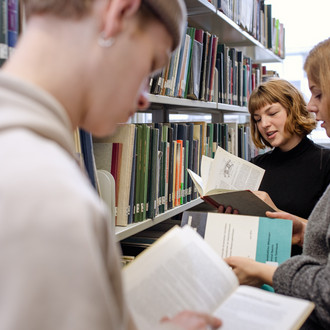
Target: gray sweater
pixel 307 276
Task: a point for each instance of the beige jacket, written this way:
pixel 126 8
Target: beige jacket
pixel 59 264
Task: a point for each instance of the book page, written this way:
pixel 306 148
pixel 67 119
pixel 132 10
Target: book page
pixel 197 181
pixel 259 310
pixel 205 170
pixel 259 238
pixel 180 271
pixel 231 235
pixel 233 173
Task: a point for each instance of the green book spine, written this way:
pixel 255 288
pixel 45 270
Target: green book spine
pixel 144 170
pixel 191 32
pixel 137 211
pixel 152 186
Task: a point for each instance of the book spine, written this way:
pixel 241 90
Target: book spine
pixel 12 24
pixel 3 31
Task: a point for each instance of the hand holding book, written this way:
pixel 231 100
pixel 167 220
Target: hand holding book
pixel 229 181
pixel 183 272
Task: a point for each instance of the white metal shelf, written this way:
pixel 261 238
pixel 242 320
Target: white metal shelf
pixel 204 15
pixel 134 228
pixel 187 104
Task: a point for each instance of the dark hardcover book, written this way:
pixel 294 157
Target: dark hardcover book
pixel 215 138
pixel 162 169
pixel 239 55
pixel 226 97
pixel 269 26
pixel 240 132
pixel 209 136
pixel 132 186
pixel 203 86
pixel 185 173
pixel 180 63
pixel 138 174
pixel 195 71
pixel 170 169
pixel 220 67
pixel 175 131
pixel 191 31
pixel 233 83
pixel 144 170
pixel 153 182
pixel 3 31
pixel 116 162
pixel 88 155
pixel 190 138
pixel 195 166
pixel 13 24
pixel 208 68
pixel 224 136
pixel 210 90
pixel 244 96
pixel 248 62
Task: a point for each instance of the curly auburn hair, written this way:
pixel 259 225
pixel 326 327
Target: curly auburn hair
pixel 299 120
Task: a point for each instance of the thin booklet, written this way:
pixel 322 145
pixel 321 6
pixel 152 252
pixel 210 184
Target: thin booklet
pixel 229 180
pixel 260 238
pixel 181 271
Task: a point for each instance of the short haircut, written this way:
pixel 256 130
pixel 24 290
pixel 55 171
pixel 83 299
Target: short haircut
pixel 172 13
pixel 59 8
pixel 317 67
pixel 299 120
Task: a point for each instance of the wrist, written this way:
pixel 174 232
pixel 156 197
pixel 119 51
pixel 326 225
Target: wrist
pixel 265 273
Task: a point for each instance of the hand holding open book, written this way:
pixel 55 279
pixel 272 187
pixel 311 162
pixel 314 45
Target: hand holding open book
pixel 182 272
pixel 229 180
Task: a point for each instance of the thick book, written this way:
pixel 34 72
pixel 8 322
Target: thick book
pixel 229 180
pixel 88 156
pixel 185 273
pixel 260 238
pixel 13 24
pixel 153 178
pixel 3 31
pixel 104 149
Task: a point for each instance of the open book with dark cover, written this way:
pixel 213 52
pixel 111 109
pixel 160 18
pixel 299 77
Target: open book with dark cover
pixel 229 180
pixel 181 271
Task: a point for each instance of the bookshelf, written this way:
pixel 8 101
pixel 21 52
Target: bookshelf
pixel 203 15
pixel 124 232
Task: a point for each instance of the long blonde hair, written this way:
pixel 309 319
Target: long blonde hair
pixel 317 67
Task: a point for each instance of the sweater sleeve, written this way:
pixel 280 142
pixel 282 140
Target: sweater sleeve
pixel 307 276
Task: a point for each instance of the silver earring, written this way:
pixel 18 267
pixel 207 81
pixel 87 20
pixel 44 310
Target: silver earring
pixel 105 43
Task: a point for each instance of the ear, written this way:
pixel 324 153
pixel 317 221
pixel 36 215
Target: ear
pixel 116 12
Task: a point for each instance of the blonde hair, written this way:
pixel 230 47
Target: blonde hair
pixel 171 13
pixel 59 8
pixel 317 67
pixel 299 120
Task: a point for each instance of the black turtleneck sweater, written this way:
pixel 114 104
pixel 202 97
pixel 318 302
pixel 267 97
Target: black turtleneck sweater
pixel 296 179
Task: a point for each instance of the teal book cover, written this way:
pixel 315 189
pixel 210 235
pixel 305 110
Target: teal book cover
pixel 274 240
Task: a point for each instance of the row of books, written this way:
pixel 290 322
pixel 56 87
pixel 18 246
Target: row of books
pixel 9 27
pixel 255 17
pixel 204 69
pixel 149 162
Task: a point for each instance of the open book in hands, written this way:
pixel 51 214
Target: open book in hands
pixel 229 180
pixel 181 271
